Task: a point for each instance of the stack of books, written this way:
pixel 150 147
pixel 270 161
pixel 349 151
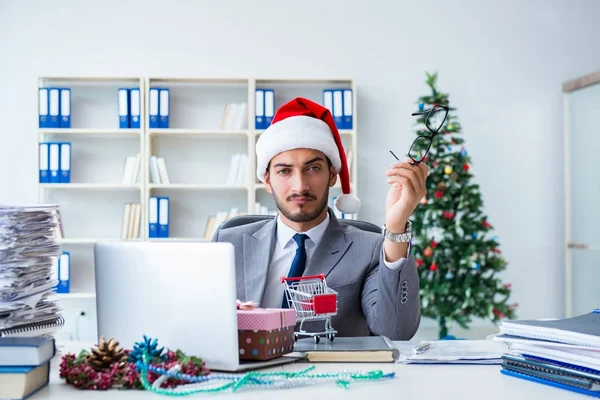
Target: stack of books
pixel 24 365
pixel 564 353
pixel 28 251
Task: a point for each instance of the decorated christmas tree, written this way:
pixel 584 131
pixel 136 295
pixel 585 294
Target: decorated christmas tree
pixel 458 256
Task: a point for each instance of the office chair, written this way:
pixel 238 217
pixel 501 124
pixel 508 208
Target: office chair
pixel 248 219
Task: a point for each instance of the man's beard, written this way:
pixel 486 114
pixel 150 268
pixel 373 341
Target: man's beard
pixel 302 216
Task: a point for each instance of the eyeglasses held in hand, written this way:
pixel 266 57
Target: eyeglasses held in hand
pixel 433 121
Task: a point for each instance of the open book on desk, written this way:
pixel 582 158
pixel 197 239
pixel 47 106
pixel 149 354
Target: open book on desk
pixel 349 349
pixel 456 352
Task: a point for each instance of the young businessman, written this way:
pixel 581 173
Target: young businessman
pixel 298 158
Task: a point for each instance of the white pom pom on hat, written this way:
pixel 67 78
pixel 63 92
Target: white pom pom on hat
pixel 302 123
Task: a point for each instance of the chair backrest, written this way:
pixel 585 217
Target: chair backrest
pixel 248 219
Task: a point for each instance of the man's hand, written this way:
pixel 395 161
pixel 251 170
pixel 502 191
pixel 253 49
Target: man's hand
pixel 407 189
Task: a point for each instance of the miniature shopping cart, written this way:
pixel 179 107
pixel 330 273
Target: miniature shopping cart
pixel 313 301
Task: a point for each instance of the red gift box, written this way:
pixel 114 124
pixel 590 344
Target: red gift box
pixel 265 333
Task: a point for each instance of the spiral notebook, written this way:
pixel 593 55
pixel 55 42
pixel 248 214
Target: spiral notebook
pixel 34 329
pixel 553 373
pixel 583 330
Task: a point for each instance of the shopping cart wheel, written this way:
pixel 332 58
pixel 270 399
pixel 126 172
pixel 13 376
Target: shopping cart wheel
pixel 317 338
pixel 331 336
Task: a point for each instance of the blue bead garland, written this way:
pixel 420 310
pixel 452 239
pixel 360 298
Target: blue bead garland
pixel 268 380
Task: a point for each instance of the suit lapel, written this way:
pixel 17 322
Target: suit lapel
pixel 330 249
pixel 257 255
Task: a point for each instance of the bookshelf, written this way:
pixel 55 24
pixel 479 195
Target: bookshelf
pixel 197 148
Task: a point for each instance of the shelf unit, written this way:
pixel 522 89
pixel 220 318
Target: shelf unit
pixel 76 296
pixel 196 151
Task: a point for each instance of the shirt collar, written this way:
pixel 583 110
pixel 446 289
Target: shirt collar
pixel 285 233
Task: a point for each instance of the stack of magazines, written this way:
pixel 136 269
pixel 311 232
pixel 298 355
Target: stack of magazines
pixel 563 353
pixel 28 254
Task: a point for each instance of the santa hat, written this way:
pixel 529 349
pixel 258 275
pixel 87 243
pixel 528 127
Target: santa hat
pixel 302 123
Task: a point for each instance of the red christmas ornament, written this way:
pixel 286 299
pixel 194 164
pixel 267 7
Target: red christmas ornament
pixel 448 215
pixel 428 252
pixel 495 250
pixel 434 244
pixel 466 167
pixel 433 267
pixel 419 262
pixel 508 285
pixel 486 224
pixel 498 313
pixel 439 194
pixel 435 164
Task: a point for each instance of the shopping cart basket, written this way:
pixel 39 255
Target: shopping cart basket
pixel 313 301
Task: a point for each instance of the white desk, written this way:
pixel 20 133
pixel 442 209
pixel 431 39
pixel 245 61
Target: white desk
pixel 411 382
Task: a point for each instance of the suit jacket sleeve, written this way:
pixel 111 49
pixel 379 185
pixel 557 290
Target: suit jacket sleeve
pixel 390 298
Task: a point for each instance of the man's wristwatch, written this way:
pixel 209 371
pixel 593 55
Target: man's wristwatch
pixel 399 237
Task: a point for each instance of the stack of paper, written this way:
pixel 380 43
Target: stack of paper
pixel 28 251
pixel 563 353
pixel 456 352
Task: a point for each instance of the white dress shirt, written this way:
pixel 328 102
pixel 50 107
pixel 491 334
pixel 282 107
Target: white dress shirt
pixel 283 255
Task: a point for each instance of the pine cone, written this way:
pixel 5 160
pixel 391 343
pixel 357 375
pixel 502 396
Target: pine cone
pixel 106 354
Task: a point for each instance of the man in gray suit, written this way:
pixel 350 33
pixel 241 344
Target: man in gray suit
pixel 299 158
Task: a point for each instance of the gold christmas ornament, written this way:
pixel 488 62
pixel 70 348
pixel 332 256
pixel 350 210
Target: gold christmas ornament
pixel 441 186
pixel 105 354
pixel 448 170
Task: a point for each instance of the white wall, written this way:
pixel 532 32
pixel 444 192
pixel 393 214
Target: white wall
pixel 502 63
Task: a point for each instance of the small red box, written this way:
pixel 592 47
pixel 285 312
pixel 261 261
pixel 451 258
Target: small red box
pixel 325 303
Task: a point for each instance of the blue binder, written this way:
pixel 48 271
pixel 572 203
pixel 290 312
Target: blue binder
pixel 123 108
pixel 65 108
pixel 163 217
pixel 44 163
pixel 153 108
pixel 550 383
pixel 134 108
pixel 54 108
pixel 269 107
pixel 65 162
pixel 43 105
pixel 54 162
pixel 64 273
pixel 328 100
pixel 259 109
pixel 153 217
pixel 338 108
pixel 164 108
pixel 348 109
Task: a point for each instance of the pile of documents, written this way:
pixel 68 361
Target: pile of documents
pixel 454 352
pixel 564 353
pixel 28 254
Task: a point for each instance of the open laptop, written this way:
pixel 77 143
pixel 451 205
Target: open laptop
pixel 182 293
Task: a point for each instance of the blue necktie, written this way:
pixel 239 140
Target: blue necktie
pixel 299 263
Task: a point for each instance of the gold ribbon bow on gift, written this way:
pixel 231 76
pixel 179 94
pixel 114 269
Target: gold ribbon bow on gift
pixel 245 305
